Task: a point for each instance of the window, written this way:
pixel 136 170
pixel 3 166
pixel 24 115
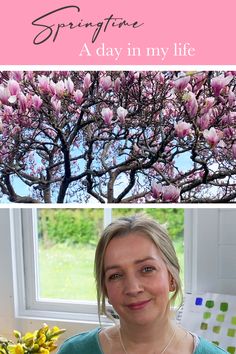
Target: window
pixel 67 239
pixel 58 245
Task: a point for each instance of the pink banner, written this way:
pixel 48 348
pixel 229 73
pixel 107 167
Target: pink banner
pixel 117 33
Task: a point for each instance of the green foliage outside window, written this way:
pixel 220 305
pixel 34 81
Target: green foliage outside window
pixel 172 218
pixel 83 226
pixel 71 226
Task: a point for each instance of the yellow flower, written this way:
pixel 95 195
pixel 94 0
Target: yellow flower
pixel 35 348
pixel 42 339
pixel 43 351
pixel 16 349
pixel 55 332
pixel 28 339
pixel 43 330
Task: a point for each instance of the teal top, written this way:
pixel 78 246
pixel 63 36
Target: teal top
pixel 88 343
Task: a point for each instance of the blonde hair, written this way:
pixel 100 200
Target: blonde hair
pixel 122 227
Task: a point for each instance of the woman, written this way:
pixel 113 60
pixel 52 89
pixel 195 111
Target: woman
pixel 136 270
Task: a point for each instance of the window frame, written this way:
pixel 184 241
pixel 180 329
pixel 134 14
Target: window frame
pixel 25 256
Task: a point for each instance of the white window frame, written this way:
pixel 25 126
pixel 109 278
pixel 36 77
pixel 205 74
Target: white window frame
pixel 28 304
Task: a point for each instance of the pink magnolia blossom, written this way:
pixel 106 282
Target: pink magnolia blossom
pixel 4 94
pixel 234 150
pixel 229 119
pixel 52 88
pixel 191 104
pixel 22 100
pixel 156 190
pixel 78 95
pixel 56 104
pixel 1 125
pixel 160 78
pixel 231 98
pixel 17 75
pixel 122 113
pixel 60 88
pixel 69 85
pixel 219 82
pixel 204 121
pixel 170 194
pixel 105 83
pixel 181 83
pixel 43 83
pixel 28 100
pixel 13 87
pixel 87 81
pixel 211 136
pixel 37 102
pixel 182 129
pixel 7 114
pixel 29 75
pixel 107 115
pixel 198 81
pixel 117 84
pixel 208 104
pixel 229 132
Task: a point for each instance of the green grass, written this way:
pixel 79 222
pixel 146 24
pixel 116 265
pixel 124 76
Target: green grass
pixel 66 272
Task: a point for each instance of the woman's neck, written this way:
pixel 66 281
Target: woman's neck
pixel 151 335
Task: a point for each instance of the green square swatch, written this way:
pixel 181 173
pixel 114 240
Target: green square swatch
pixel 233 320
pixel 216 329
pixel 231 350
pixel 231 332
pixel 206 315
pixel 210 304
pixel 220 318
pixel 204 326
pixel 224 306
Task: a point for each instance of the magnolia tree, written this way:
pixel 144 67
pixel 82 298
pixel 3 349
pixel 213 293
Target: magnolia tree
pixel 117 137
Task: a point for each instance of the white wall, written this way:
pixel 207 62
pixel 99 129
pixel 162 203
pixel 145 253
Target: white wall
pixel 210 252
pixel 7 319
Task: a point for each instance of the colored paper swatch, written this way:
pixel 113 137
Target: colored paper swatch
pixel 212 316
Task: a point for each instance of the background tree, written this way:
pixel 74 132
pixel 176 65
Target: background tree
pixel 117 136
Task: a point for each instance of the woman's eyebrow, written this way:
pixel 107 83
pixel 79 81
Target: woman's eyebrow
pixel 138 261
pixel 112 267
pixel 149 258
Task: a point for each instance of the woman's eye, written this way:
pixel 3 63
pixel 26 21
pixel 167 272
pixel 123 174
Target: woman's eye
pixel 115 276
pixel 148 269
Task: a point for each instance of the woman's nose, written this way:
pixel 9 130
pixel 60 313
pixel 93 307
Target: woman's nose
pixel 133 286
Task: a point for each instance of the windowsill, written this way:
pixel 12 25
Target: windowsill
pixel 88 320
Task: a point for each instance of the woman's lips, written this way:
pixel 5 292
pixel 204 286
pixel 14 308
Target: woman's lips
pixel 138 305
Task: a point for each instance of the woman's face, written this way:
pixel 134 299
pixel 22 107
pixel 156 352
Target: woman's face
pixel 137 281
